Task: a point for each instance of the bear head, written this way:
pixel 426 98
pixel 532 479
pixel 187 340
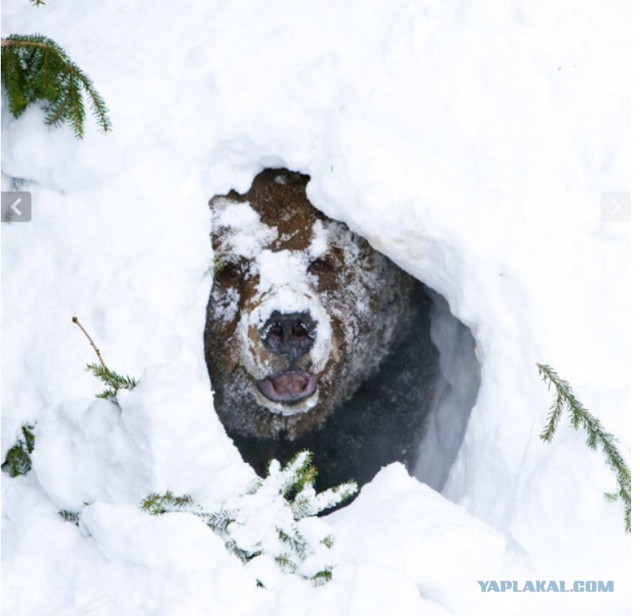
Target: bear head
pixel 302 310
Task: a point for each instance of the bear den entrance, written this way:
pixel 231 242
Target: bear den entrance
pixel 407 398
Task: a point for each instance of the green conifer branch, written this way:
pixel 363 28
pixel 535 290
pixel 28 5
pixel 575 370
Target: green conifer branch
pixel 29 438
pixel 114 381
pixel 322 577
pixel 35 68
pixel 286 564
pixel 294 540
pixel 219 521
pixel 596 435
pixel 293 484
pixel 111 379
pixel 157 504
pixel 298 473
pixel 70 516
pixel 18 459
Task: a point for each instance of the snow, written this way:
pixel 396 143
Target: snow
pixel 454 396
pixel 245 235
pixel 319 241
pixel 470 142
pixel 98 451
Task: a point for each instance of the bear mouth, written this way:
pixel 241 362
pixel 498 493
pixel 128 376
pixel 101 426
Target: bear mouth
pixel 288 387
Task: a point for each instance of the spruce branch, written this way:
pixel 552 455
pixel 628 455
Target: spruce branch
pixel 114 381
pixel 322 577
pixel 29 438
pixel 596 435
pixel 36 69
pixel 18 459
pixel 157 504
pixel 111 379
pixel 279 497
pixel 294 540
pixel 219 521
pixel 298 473
pixel 299 477
pixel 70 516
pixel 286 564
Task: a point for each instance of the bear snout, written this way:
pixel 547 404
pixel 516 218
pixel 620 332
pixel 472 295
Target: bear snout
pixel 291 335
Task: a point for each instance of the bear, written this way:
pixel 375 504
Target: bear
pixel 313 339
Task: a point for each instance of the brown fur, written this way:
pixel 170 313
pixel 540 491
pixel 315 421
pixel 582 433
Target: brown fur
pixel 366 309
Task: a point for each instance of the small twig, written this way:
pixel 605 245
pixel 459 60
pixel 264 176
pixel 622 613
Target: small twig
pixel 19 43
pixel 91 342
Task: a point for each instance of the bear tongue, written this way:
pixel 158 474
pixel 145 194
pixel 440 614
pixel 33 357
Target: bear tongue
pixel 290 384
pixel 288 387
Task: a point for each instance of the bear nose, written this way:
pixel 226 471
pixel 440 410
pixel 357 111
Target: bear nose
pixel 291 334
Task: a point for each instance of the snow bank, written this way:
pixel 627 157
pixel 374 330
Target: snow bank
pixel 470 142
pixel 158 437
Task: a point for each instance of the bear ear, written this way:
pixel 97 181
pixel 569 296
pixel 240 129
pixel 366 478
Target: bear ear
pixel 292 178
pixel 281 176
pixel 331 261
pixel 231 195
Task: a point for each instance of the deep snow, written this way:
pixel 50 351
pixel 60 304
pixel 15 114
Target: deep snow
pixel 470 142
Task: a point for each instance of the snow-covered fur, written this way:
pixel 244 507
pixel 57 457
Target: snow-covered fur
pixel 302 314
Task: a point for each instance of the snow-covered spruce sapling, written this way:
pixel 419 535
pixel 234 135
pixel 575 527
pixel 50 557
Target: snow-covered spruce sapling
pixel 18 459
pixel 36 69
pixel 596 435
pixel 274 519
pixel 111 379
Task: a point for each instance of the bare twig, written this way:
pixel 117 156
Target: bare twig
pixel 19 43
pixel 91 342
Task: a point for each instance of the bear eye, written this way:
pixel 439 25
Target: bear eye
pixel 321 266
pixel 230 273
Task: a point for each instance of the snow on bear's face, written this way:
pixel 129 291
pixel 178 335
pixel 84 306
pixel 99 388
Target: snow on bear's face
pixel 301 310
